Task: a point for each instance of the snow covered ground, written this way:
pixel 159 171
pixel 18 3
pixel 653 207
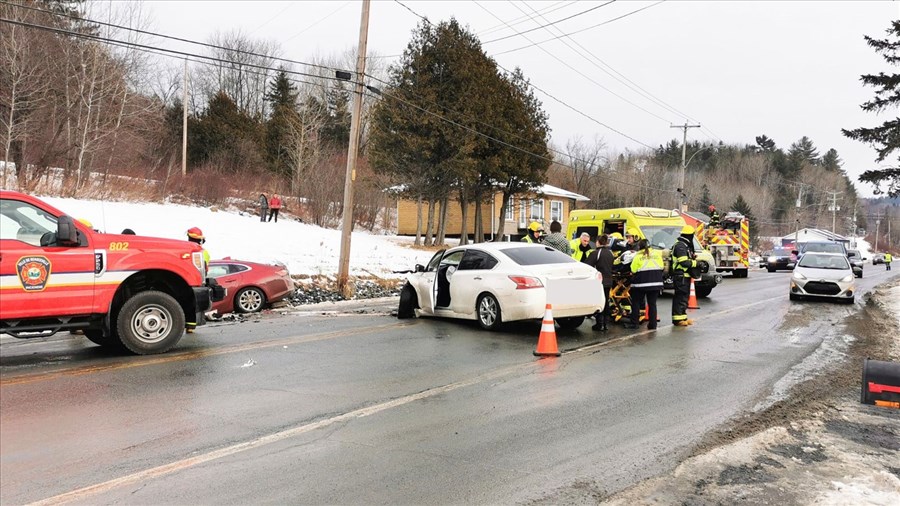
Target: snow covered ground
pixel 304 248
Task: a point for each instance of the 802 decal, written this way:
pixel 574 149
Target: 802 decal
pixel 118 246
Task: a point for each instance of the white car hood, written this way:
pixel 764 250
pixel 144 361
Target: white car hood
pixel 823 274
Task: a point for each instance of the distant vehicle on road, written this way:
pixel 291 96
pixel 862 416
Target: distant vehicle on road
pixel 250 286
pixel 823 275
pixel 877 258
pixel 502 282
pixel 823 247
pixel 856 262
pixel 779 259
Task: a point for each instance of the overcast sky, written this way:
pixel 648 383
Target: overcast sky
pixel 740 69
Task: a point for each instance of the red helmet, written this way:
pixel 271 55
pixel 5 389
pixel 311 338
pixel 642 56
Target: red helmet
pixel 712 207
pixel 196 234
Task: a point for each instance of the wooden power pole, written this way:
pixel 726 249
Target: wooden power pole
pixel 681 190
pixel 184 109
pixel 347 223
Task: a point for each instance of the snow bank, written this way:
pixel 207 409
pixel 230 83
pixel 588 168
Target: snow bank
pixel 305 249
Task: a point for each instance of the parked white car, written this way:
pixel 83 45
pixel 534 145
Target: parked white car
pixel 827 275
pixel 502 282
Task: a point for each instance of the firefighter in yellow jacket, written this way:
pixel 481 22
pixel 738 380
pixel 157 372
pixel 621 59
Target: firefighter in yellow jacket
pixel 683 259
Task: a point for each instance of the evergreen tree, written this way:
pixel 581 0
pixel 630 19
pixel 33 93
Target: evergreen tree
pixel 336 131
pixel 282 99
pixel 224 136
pixel 765 143
pixel 804 151
pixel 831 161
pixel 885 138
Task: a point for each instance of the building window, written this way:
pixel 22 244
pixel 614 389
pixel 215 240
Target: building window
pixel 556 210
pixel 537 210
pixel 523 218
pixel 511 209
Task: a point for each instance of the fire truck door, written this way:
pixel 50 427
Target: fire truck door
pixel 39 280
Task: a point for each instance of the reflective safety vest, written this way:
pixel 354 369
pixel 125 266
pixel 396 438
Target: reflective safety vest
pixel 647 269
pixel 577 254
pixel 888 258
pixel 528 239
pixel 681 259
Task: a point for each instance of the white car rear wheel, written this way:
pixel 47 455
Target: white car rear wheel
pixel 488 311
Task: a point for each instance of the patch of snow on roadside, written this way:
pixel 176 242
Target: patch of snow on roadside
pixel 880 489
pixel 303 248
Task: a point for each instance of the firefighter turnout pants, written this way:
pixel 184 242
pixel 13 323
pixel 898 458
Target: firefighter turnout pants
pixel 680 299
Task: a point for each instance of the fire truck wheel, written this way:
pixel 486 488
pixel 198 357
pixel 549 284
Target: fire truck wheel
pixel 703 292
pixel 150 322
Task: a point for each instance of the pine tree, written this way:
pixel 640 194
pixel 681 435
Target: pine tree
pixel 282 99
pixel 804 151
pixel 831 161
pixel 885 138
pixel 765 143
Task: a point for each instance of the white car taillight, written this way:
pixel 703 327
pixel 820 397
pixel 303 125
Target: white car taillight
pixel 600 277
pixel 526 282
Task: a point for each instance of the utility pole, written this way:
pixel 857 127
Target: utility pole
pixel 877 226
pixel 684 127
pixel 797 226
pixel 347 222
pixel 834 209
pixel 184 109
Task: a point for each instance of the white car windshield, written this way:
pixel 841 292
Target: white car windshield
pixel 813 261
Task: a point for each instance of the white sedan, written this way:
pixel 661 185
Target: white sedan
pixel 501 282
pixel 823 275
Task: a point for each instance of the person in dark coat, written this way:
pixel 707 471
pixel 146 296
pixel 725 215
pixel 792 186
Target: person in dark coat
pixel 263 207
pixel 683 260
pixel 602 260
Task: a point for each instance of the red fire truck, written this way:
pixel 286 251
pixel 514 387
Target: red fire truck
pixel 123 291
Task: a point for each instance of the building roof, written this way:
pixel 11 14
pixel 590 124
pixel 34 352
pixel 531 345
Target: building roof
pixel 826 234
pixel 548 190
pixel 552 191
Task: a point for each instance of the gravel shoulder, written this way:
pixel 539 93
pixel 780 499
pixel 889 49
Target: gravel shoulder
pixel 817 445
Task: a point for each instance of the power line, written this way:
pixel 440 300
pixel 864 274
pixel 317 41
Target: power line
pixel 164 36
pixel 579 72
pixel 523 19
pixel 548 24
pixel 532 85
pixel 517 148
pixel 615 74
pixel 582 30
pixel 165 50
pixel 292 37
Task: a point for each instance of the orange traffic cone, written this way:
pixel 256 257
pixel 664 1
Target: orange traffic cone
pixel 692 300
pixel 546 346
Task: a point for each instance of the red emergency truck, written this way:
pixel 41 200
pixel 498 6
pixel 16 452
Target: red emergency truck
pixel 122 291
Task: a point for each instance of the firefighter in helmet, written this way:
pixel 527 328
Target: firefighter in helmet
pixel 683 260
pixel 713 217
pixel 533 235
pixel 195 235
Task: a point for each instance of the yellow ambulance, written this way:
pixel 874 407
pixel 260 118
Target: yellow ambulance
pixel 660 226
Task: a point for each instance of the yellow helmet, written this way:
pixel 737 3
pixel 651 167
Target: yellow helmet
pixel 535 227
pixel 616 235
pixel 687 229
pixel 86 223
pixel 633 232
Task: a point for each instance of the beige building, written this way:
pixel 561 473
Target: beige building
pixel 550 203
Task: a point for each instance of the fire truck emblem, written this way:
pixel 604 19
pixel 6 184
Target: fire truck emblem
pixel 33 272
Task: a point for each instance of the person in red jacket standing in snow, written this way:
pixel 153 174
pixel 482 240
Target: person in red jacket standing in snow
pixel 274 207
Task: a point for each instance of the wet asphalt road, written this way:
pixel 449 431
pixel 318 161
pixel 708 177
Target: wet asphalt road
pixel 362 408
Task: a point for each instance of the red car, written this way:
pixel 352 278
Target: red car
pixel 251 286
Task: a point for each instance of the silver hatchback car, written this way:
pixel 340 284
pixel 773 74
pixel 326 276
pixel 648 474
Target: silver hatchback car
pixel 825 275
